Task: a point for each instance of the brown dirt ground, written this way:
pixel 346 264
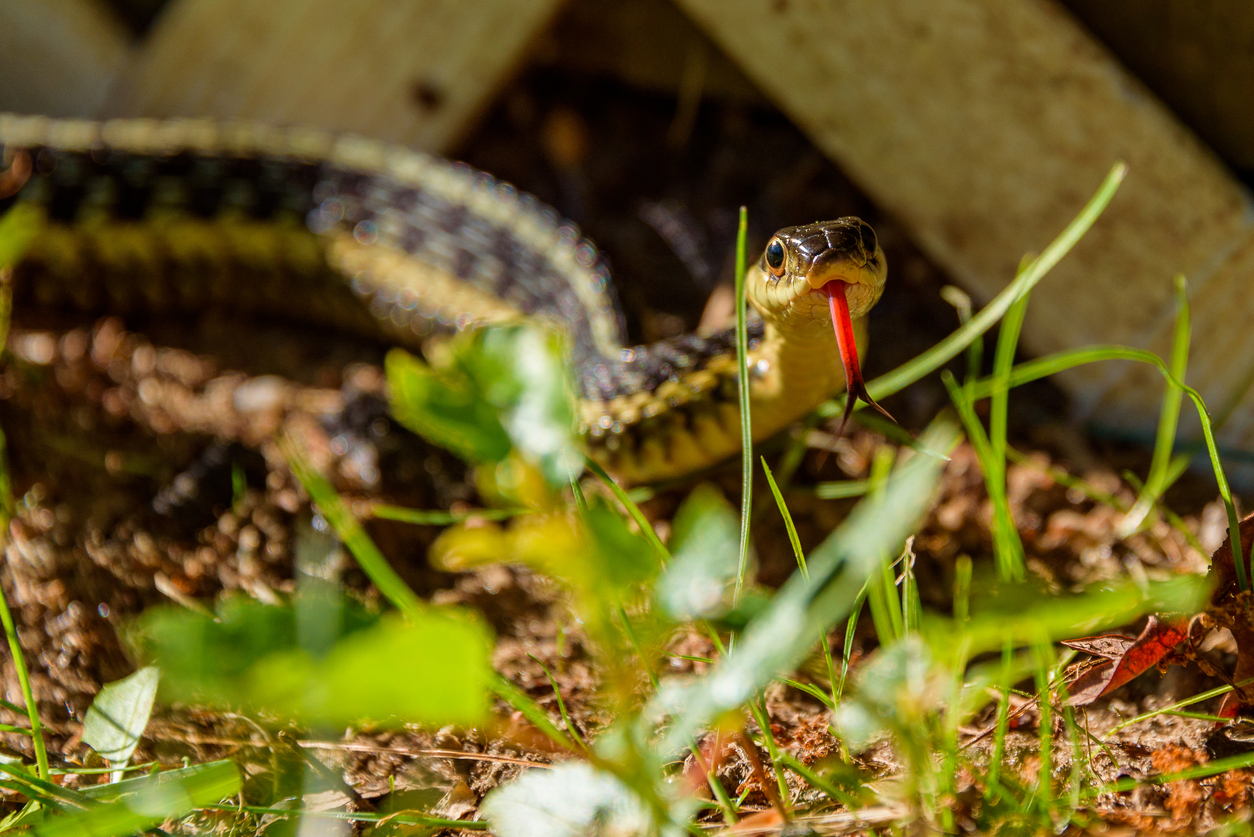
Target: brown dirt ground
pixel 103 417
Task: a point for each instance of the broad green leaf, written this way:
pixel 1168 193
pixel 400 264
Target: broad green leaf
pixel 117 717
pixel 704 543
pixel 444 410
pixel 494 389
pixel 522 372
pixel 622 557
pixel 140 804
pixel 430 668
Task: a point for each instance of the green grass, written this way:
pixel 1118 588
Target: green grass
pixel 925 677
pixel 18 228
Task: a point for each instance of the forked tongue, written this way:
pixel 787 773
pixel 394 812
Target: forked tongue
pixel 843 323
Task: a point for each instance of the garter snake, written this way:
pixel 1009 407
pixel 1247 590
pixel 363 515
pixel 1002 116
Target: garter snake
pixel 160 215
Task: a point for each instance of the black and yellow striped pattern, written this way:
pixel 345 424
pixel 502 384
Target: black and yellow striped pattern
pixel 161 215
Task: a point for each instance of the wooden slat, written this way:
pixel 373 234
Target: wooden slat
pixel 58 57
pixel 416 72
pixel 646 43
pixel 984 125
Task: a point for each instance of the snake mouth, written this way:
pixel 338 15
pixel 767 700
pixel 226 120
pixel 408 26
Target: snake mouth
pixel 837 292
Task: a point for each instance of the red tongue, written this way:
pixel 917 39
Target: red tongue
pixel 843 323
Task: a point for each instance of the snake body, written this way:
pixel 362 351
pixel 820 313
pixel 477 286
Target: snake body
pixel 153 216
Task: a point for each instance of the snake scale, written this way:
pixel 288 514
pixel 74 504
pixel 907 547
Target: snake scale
pixel 153 216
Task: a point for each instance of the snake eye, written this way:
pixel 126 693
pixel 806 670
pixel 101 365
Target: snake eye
pixel 868 239
pixel 775 257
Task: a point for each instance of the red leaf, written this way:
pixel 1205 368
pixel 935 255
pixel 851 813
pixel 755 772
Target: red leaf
pixel 1139 656
pixel 1229 707
pixel 1110 646
pixel 1222 568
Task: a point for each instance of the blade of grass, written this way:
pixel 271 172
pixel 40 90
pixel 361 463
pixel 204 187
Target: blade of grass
pixel 28 694
pixel 993 788
pixel 349 530
pixel 758 711
pixel 1174 707
pixel 646 528
pixel 815 780
pixel 882 593
pixel 530 710
pixel 840 490
pixel 398 817
pixel 1045 798
pixel 911 606
pixel 851 627
pixel 8 506
pixel 1007 548
pixel 561 704
pixel 436 517
pixel 1168 418
pixel 789 526
pixel 1003 360
pixel 1006 532
pixel 1201 771
pixel 1052 364
pixel 742 378
pixel 935 357
pixel 961 302
pixel 801 565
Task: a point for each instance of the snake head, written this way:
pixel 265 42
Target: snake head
pixel 800 260
pixel 821 276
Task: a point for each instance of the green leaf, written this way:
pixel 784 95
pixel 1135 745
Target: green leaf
pixel 444 410
pixel 522 373
pixel 430 668
pixel 704 542
pixel 118 716
pixel 622 557
pixel 18 228
pixel 495 389
pixel 140 804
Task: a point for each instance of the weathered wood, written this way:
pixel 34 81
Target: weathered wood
pixel 410 71
pixel 984 125
pixel 646 43
pixel 58 57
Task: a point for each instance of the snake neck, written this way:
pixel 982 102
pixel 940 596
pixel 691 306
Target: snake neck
pixel 794 369
pixel 648 432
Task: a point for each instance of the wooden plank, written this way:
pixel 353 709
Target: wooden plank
pixel 416 72
pixel 646 43
pixel 58 57
pixel 984 125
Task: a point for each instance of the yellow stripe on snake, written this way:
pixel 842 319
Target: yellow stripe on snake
pixel 152 216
